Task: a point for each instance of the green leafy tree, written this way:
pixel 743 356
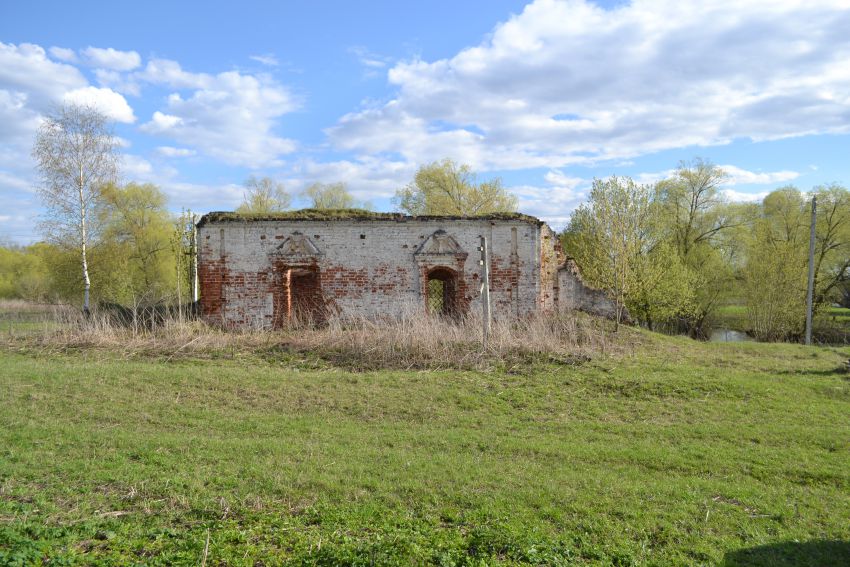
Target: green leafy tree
pixel 23 273
pixel 136 236
pixel 693 206
pixel 616 240
pixel 332 196
pixel 32 281
pixel 10 260
pixel 663 287
pixel 63 272
pixel 832 243
pixel 264 195
pixel 775 272
pixel 774 277
pixel 445 188
pixel 697 219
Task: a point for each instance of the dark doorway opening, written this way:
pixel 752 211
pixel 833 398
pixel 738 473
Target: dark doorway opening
pixel 305 295
pixel 442 292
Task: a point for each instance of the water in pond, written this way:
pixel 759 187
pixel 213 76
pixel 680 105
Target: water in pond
pixel 728 336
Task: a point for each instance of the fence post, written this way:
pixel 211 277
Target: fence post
pixel 195 294
pixel 485 290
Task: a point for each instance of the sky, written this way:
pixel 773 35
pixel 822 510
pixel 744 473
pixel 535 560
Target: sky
pixel 547 95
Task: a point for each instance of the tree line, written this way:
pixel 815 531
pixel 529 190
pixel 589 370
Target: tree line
pixel 675 252
pixel 671 253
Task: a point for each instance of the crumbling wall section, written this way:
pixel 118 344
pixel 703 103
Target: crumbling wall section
pixel 574 294
pixel 551 258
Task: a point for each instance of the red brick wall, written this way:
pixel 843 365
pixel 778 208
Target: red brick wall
pixel 212 275
pixel 362 268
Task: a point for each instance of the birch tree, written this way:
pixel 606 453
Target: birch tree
pixel 76 155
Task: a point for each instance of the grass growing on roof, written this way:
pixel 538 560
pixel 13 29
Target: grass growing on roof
pixel 686 454
pixel 351 214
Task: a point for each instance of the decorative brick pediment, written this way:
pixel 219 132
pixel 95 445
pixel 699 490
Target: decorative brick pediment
pixel 298 247
pixel 439 245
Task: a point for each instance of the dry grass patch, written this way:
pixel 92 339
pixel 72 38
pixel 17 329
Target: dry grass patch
pixel 411 340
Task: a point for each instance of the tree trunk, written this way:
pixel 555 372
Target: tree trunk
pixel 83 239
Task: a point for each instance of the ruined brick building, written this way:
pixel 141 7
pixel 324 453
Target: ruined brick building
pixel 261 271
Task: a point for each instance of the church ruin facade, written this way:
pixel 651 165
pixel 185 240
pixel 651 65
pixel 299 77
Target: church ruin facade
pixel 265 271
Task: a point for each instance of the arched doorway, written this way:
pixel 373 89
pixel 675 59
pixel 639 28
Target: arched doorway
pixel 441 292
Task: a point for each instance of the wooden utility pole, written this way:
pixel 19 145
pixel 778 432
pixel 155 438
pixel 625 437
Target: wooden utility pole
pixel 485 290
pixel 810 291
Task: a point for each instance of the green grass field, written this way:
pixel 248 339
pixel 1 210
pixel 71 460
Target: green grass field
pixel 689 454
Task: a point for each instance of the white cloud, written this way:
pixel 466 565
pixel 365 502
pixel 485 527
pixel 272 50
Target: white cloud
pixel 372 63
pixel 137 168
pixel 559 179
pixel 63 54
pixel 569 82
pixel 229 116
pixel 19 121
pixel 30 83
pixel 171 152
pixel 744 197
pixel 26 71
pixel 181 194
pixel 19 225
pixel 204 198
pixel 735 176
pixel 170 73
pixel 162 122
pixel 653 177
pixel 117 81
pixel 738 176
pixel 105 100
pixel 555 201
pixel 367 178
pixel 268 59
pixel 110 58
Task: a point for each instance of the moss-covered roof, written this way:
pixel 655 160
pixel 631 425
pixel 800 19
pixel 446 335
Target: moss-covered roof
pixel 352 214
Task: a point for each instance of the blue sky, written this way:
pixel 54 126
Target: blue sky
pixel 547 95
